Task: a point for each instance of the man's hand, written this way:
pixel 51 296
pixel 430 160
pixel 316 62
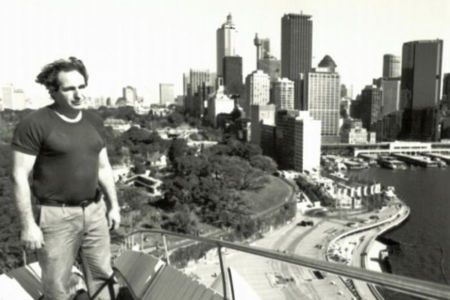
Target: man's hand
pixel 114 218
pixel 31 236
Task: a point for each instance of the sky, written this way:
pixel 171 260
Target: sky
pixel 143 43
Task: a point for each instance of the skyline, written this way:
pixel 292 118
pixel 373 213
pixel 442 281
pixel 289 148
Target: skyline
pixel 144 44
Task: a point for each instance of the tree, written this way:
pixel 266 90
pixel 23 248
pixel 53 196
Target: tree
pixel 264 163
pixel 177 149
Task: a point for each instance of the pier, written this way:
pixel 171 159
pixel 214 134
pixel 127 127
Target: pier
pixel 422 161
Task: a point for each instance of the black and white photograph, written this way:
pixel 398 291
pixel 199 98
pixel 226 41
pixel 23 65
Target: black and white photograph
pixel 236 150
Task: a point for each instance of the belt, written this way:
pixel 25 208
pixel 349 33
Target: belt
pixel 83 204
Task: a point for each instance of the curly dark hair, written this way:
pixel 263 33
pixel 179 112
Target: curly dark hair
pixel 49 74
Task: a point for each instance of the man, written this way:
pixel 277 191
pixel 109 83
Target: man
pixel 62 147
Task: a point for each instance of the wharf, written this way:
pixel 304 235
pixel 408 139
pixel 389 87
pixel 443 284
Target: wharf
pixel 443 157
pixel 416 160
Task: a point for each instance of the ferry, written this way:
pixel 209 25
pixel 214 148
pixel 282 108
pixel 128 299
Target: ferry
pixel 356 165
pixel 391 163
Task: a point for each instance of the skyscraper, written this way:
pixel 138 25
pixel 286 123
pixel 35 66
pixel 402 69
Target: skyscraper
pixel 261 114
pixel 296 45
pixel 129 94
pixel 322 96
pixel 296 50
pixel 391 95
pixel 257 86
pixel 421 74
pixel 391 66
pixel 226 36
pixel 166 94
pixel 232 74
pixel 446 88
pixel 283 94
pixel 370 109
pixel 420 88
pixel 298 140
pixel 197 78
pixel 14 99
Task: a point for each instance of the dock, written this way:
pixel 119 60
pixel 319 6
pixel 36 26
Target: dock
pixel 422 161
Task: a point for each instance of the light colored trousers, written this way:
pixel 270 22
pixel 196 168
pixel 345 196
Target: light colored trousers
pixel 66 230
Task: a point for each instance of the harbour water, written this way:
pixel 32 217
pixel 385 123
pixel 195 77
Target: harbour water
pixel 423 248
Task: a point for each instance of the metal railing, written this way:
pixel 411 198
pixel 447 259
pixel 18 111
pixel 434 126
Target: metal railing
pixel 403 284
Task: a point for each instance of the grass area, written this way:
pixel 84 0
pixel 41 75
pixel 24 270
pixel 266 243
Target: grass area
pixel 274 191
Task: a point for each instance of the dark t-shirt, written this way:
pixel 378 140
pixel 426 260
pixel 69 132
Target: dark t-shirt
pixel 66 167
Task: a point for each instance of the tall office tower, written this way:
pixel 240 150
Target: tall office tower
pixel 226 36
pixel 129 95
pixel 298 140
pixel 296 45
pixel 420 88
pixel 296 50
pixel 446 89
pixel 186 81
pixel 232 75
pixel 283 94
pixel 14 99
pixel 322 96
pixel 421 74
pixel 166 94
pixel 261 115
pixel 391 66
pixel 369 106
pixel 344 92
pixel 199 77
pixel 391 95
pixel 257 86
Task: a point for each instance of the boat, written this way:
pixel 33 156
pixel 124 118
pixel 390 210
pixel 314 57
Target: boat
pixel 391 163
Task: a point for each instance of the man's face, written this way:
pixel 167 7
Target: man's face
pixel 70 94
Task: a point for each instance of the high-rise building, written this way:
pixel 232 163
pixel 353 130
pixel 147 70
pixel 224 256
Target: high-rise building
pixel 390 95
pixel 226 36
pixel 421 74
pixel 198 78
pixel 166 93
pixel 322 96
pixel 391 66
pixel 370 106
pixel 298 140
pixel 420 89
pixel 232 74
pixel 257 86
pixel 446 89
pixel 296 45
pixel 129 94
pixel 186 82
pixel 270 66
pixel 283 94
pixel 261 115
pixel 296 50
pixel 14 99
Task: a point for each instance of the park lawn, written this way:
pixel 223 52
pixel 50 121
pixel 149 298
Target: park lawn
pixel 274 191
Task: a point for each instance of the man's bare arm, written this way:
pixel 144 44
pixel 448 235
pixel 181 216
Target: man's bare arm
pixel 31 234
pixel 106 180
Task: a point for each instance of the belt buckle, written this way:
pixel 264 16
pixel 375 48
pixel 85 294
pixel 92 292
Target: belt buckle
pixel 84 203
